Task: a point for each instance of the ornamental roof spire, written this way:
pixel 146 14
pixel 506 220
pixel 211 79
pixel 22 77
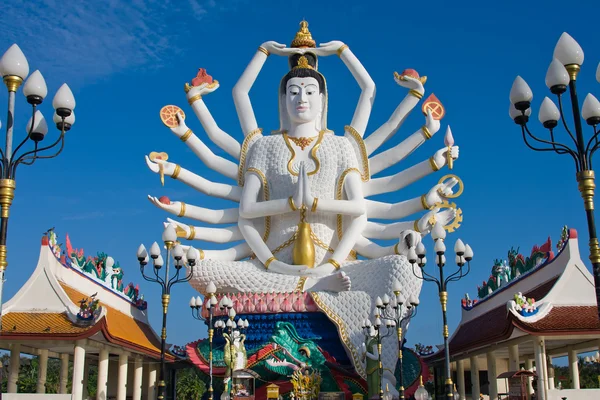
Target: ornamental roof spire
pixel 303 37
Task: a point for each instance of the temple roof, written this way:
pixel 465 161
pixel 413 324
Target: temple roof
pixel 48 307
pixel 564 295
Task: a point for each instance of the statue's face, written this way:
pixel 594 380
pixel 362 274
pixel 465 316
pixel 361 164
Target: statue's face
pixel 303 100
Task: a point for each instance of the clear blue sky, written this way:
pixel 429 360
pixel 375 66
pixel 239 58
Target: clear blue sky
pixel 124 61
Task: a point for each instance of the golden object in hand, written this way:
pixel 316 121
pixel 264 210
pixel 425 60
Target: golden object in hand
pixel 461 186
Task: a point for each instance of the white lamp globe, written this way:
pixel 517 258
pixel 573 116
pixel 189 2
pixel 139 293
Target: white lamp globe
pixel 568 51
pixel 14 63
pixel 35 88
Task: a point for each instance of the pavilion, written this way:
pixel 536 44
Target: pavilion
pixel 500 333
pixel 76 308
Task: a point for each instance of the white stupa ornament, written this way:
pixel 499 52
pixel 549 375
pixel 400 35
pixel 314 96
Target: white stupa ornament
pixel 449 142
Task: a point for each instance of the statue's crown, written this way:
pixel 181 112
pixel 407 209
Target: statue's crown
pixel 303 63
pixel 303 37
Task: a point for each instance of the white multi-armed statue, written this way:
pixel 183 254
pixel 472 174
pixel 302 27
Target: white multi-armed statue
pixel 303 212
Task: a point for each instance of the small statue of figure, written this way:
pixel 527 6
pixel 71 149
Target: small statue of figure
pixel 370 354
pixel 235 358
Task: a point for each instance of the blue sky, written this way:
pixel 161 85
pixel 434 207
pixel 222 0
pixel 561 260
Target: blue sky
pixel 124 61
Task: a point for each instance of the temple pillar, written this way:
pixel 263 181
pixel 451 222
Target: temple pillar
pixel 475 388
pixel 460 378
pixel 122 382
pixel 42 371
pixel 102 385
pixel 513 357
pixel 492 374
pixel 539 349
pixel 529 367
pixel 86 377
pixel 151 391
pixel 15 363
pixel 550 369
pixel 574 368
pixel 78 365
pixel 64 373
pixel 137 379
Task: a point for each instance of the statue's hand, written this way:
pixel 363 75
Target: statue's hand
pixel 279 49
pixel 409 82
pixel 440 156
pixel 407 240
pixel 286 269
pixel 427 221
pixel 154 166
pixel 327 49
pixel 298 197
pixel 439 193
pixel 307 197
pixel 182 128
pixel 173 207
pixel 202 90
pixel 432 125
pixel 178 224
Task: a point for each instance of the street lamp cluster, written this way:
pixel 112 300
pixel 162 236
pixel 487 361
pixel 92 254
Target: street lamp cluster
pixel 196 306
pixel 560 77
pixel 464 255
pixel 175 251
pixel 14 69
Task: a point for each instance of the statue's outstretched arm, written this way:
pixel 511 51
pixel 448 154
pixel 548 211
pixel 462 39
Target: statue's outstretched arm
pixel 351 233
pixel 397 153
pixel 369 249
pixel 210 159
pixel 374 230
pixel 235 253
pixel 214 235
pixel 241 90
pixel 197 182
pixel 435 195
pixel 404 178
pixel 216 134
pixel 181 209
pixel 358 71
pixel 389 128
pixel 250 207
pixel 353 186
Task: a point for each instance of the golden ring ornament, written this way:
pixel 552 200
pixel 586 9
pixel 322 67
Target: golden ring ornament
pixel 461 186
pixel 458 218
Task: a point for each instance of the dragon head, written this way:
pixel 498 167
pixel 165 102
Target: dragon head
pixel 296 353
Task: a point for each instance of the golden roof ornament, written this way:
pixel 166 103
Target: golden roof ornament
pixel 303 37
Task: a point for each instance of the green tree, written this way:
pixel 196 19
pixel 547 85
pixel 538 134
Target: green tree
pixel 189 385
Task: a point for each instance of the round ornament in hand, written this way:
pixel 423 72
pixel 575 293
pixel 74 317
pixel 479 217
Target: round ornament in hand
pixel 433 104
pixel 458 217
pixel 168 115
pixel 461 185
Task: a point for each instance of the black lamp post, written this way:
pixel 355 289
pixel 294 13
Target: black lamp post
pixel 378 325
pixel 196 306
pixel 174 250
pixel 562 76
pixel 14 69
pixel 464 255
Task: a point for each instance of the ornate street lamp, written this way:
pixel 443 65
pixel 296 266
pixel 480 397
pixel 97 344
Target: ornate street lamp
pixel 379 335
pixel 464 255
pixel 562 74
pixel 226 329
pixel 196 306
pixel 14 69
pixel 397 313
pixel 174 250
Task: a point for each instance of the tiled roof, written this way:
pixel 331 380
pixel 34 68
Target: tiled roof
pixel 565 319
pixel 33 323
pixel 122 329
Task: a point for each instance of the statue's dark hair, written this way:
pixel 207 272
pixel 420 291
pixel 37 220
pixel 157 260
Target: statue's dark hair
pixel 303 72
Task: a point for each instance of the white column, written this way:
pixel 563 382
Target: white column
pixel 574 368
pixel 529 367
pixel 460 378
pixel 42 370
pixel 550 373
pixel 102 385
pixel 539 350
pixel 86 377
pixel 15 363
pixel 137 379
pixel 64 373
pixel 475 388
pixel 151 381
pixel 513 357
pixel 78 365
pixel 492 374
pixel 122 382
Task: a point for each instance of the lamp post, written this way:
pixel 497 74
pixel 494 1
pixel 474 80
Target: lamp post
pixel 196 306
pixel 227 329
pixel 378 326
pixel 397 313
pixel 14 68
pixel 174 250
pixel 464 255
pixel 562 74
